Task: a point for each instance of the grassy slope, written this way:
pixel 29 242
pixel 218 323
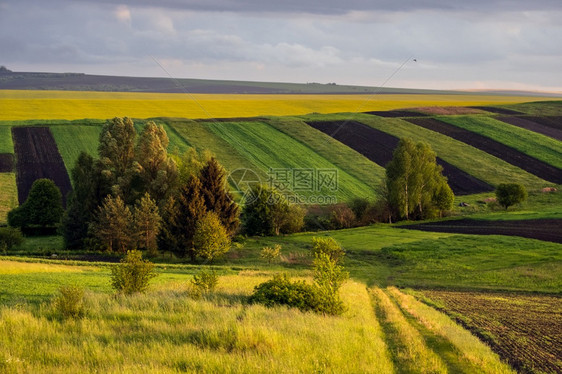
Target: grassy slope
pixel 21 105
pixel 6 144
pixel 542 108
pixel 268 148
pixel 340 155
pixel 8 194
pixel 385 255
pixel 482 165
pixel 73 139
pixel 531 143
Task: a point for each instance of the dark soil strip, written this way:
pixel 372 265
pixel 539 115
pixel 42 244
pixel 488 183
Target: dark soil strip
pixel 396 113
pixel 492 109
pixel 532 125
pixel 378 147
pixel 543 229
pixel 6 162
pixel 37 156
pixel 502 151
pixel 554 122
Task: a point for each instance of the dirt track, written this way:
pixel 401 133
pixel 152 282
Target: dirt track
pixel 502 151
pixel 533 124
pixel 6 162
pixel 37 156
pixel 378 147
pixel 542 229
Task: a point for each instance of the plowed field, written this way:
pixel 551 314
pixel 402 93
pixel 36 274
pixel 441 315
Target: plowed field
pixel 37 156
pixel 508 154
pixel 534 125
pixel 378 146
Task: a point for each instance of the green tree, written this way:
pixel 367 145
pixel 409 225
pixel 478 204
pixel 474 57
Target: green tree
pixel 82 202
pixel 413 181
pixel 133 274
pixel 181 215
pixel 211 238
pixel 113 225
pixel 269 213
pixel 329 276
pixel 217 197
pixel 117 153
pixel 508 194
pixel 147 224
pixel 43 206
pixel 156 173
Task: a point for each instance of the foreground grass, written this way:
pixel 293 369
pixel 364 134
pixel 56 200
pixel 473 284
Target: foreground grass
pixel 29 104
pixel 8 194
pixel 167 331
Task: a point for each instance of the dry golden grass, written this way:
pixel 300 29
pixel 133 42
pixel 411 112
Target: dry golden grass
pixel 24 105
pixel 14 267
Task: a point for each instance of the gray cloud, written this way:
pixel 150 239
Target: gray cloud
pixel 500 43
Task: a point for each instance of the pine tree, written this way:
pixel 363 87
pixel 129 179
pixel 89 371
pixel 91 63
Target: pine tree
pixel 217 197
pixel 82 202
pixel 113 225
pixel 147 223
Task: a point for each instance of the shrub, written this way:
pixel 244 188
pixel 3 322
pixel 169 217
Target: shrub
pixel 329 246
pixel 10 237
pixel 205 281
pixel 269 254
pixel 211 240
pixel 70 302
pixel 133 274
pixel 281 291
pixel 329 277
pixel 43 206
pixel 342 217
pixel 508 194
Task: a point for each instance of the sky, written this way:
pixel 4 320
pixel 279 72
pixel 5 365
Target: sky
pixel 433 44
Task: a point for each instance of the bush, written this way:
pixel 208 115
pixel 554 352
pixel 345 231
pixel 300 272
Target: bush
pixel 281 291
pixel 205 281
pixel 342 217
pixel 70 302
pixel 328 246
pixel 10 237
pixel 211 240
pixel 329 277
pixel 508 194
pixel 269 254
pixel 133 274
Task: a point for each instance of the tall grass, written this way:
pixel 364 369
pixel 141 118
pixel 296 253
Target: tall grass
pixel 410 350
pixel 166 331
pixel 470 349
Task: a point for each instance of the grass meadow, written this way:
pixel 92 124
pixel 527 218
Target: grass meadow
pixel 168 330
pixel 30 104
pixel 6 144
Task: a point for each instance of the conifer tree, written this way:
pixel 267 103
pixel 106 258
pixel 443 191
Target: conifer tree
pixel 147 223
pixel 113 225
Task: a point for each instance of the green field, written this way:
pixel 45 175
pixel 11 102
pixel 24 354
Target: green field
pixel 531 143
pixel 538 108
pixel 6 144
pixel 8 194
pixel 482 165
pixel 73 139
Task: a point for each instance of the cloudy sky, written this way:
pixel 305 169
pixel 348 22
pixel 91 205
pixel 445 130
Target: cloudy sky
pixel 458 44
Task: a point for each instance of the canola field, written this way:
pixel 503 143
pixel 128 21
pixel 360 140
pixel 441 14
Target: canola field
pixel 69 105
